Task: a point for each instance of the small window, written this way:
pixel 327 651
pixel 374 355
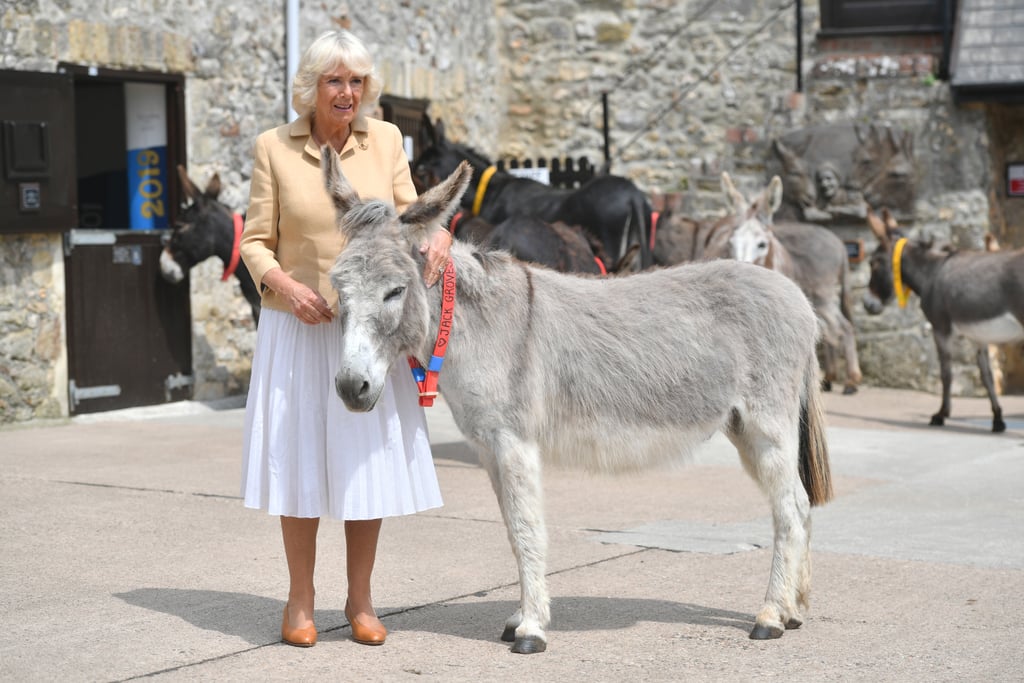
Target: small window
pixel 864 17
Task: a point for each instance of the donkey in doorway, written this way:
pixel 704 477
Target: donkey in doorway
pixel 813 256
pixel 979 294
pixel 204 229
pixel 706 347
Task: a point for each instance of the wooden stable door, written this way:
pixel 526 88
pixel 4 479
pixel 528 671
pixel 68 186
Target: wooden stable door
pixel 129 331
pixel 129 339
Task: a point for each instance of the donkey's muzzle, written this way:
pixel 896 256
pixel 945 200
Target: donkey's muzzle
pixel 355 392
pixel 169 268
pixel 872 304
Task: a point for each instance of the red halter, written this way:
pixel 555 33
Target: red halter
pixel 426 380
pixel 229 269
pixel 654 227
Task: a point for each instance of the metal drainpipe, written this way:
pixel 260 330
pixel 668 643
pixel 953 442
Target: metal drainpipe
pixel 799 46
pixel 948 7
pixel 291 54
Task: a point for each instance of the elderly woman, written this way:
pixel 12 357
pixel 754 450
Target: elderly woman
pixel 305 455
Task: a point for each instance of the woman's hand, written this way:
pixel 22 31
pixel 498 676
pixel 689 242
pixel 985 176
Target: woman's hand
pixel 438 251
pixel 307 305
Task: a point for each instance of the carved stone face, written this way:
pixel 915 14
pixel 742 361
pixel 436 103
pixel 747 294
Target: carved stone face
pixel 835 170
pixel 828 182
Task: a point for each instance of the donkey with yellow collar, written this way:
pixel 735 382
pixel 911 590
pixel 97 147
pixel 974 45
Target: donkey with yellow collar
pixel 979 294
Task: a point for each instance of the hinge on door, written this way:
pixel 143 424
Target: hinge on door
pixel 79 394
pixel 176 381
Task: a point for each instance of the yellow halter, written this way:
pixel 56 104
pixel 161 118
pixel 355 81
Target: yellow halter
pixel 481 189
pixel 902 291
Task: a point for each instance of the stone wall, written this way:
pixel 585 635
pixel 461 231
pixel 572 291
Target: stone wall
pixel 33 365
pixel 694 87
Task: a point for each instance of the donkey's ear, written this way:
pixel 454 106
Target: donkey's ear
pixel 439 202
pixel 736 201
pixel 187 185
pixel 213 187
pixel 788 156
pixel 877 226
pixel 339 189
pixel 773 197
pixel 890 221
pixel 427 136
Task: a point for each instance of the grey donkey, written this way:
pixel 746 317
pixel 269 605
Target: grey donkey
pixel 812 255
pixel 545 366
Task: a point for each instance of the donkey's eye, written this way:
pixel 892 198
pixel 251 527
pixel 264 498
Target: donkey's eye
pixel 395 293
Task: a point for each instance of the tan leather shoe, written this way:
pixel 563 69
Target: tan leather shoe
pixel 299 637
pixel 365 635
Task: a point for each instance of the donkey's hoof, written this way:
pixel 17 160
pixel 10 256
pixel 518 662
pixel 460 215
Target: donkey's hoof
pixel 849 389
pixel 794 623
pixel 765 632
pixel 998 426
pixel 509 634
pixel 826 385
pixel 937 420
pixel 529 645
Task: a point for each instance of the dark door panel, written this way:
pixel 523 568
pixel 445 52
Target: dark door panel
pixel 129 336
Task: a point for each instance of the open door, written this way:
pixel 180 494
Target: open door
pixel 129 331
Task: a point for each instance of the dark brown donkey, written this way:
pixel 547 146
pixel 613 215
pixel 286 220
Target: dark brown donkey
pixel 610 208
pixel 979 294
pixel 207 228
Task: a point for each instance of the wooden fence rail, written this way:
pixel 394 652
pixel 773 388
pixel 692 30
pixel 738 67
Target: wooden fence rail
pixel 567 173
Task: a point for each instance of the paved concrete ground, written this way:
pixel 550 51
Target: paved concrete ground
pixel 126 553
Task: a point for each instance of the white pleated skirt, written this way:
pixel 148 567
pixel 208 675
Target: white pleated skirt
pixel 306 455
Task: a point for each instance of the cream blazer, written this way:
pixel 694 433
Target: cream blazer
pixel 290 222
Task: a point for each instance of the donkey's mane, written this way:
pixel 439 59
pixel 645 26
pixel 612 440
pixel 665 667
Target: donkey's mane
pixel 474 157
pixel 372 215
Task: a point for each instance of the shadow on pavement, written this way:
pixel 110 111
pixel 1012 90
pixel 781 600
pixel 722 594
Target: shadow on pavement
pixel 477 620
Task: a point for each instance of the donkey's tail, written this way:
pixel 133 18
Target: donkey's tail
pixel 815 472
pixel 640 216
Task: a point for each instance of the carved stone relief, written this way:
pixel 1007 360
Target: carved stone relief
pixel 832 173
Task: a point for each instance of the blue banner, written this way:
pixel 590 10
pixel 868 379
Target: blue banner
pixel 147 188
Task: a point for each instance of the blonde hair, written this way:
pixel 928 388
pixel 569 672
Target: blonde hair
pixel 331 50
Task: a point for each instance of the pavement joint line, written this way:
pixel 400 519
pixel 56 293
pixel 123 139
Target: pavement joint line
pixel 183 667
pixel 456 518
pixel 144 489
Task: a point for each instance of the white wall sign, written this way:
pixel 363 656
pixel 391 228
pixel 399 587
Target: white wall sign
pixel 541 175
